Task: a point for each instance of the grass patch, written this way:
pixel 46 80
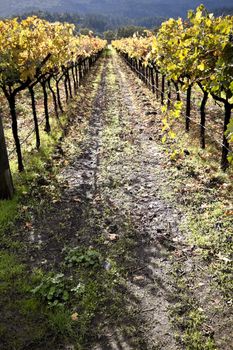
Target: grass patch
pixel 203 193
pixel 189 318
pixel 35 166
pixel 83 289
pixel 25 321
pixel 20 311
pixel 8 211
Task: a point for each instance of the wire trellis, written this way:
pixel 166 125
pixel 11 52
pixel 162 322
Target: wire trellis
pixel 169 99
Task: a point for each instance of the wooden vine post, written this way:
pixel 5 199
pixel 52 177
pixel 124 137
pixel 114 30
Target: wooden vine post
pixel 6 184
pixel 225 146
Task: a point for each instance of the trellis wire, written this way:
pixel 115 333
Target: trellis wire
pixel 169 99
pixel 11 153
pixel 24 141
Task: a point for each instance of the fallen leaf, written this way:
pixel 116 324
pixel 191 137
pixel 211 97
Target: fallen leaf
pixel 28 225
pixel 113 237
pixel 78 200
pixel 139 278
pixel 223 258
pixel 74 316
pixel 201 284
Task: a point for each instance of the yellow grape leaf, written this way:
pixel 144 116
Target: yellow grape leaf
pixel 164 109
pixel 164 139
pixel 172 135
pixel 201 66
pixel 231 87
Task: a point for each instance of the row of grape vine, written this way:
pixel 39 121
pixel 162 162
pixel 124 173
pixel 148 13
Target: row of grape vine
pixel 197 51
pixel 36 52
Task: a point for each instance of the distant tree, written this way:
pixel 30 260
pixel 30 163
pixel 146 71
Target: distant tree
pixel 97 23
pixel 155 30
pixel 224 11
pixel 109 35
pixel 128 31
pixel 53 17
pixel 85 31
pixel 149 22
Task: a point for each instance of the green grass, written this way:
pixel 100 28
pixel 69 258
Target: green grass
pixel 16 302
pixel 8 211
pixel 28 317
pixel 35 166
pixel 24 318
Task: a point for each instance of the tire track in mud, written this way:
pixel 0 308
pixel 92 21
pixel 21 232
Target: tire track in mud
pixel 81 175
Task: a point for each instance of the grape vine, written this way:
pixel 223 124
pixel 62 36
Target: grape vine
pixel 36 52
pixel 197 51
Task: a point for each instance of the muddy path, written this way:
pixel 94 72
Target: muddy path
pixel 111 199
pixel 129 180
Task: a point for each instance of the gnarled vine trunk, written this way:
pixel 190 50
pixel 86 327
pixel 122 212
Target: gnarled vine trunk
pixel 6 183
pixel 203 119
pixel 12 105
pixel 225 147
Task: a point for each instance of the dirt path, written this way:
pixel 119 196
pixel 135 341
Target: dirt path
pixel 111 200
pixel 128 178
pixel 122 172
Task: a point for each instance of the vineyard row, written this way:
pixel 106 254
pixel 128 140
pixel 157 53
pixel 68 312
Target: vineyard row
pixel 185 54
pixel 35 52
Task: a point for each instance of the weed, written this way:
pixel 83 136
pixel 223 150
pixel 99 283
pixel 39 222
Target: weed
pixel 60 321
pixel 89 259
pixel 53 290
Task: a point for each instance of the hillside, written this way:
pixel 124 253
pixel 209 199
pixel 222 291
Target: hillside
pixel 125 8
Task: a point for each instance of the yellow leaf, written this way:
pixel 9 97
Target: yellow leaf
pixel 201 66
pixel 164 109
pixel 172 135
pixel 164 139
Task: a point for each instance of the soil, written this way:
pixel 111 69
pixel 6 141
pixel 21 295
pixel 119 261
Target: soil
pixel 112 197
